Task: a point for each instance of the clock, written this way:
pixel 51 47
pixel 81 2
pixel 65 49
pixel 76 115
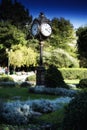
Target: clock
pixel 35 29
pixel 46 29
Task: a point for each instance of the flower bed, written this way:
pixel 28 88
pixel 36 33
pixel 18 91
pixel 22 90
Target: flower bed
pixel 19 112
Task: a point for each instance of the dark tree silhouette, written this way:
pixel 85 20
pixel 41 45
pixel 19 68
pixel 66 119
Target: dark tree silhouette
pixel 14 12
pixel 82 45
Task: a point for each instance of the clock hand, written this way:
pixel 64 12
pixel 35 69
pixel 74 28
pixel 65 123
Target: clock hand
pixel 47 30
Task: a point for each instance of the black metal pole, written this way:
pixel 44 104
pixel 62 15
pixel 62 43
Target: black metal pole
pixel 40 76
pixel 41 53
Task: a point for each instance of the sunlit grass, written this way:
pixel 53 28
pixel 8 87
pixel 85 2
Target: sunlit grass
pixel 74 81
pixel 9 93
pixel 23 93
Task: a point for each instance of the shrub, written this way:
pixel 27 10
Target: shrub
pixel 31 78
pixel 73 73
pixel 76 113
pixel 1 110
pixel 53 77
pixel 5 78
pixel 7 81
pixel 25 84
pixel 82 83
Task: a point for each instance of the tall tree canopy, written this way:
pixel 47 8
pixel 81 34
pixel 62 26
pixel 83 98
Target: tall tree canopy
pixel 63 38
pixel 9 36
pixel 22 56
pixel 63 32
pixel 14 12
pixel 14 18
pixel 82 45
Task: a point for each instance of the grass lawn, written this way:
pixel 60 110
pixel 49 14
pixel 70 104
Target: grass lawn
pixel 9 93
pixel 74 81
pixel 54 118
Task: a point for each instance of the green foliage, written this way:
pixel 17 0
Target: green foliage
pixel 72 81
pixel 82 83
pixel 8 93
pixel 63 59
pixel 29 56
pixel 31 78
pixel 25 85
pixel 82 40
pixel 73 73
pixel 55 118
pixel 82 61
pixel 53 77
pixel 14 12
pixel 17 127
pixel 76 113
pixel 5 78
pixel 82 45
pixel 1 109
pixel 9 36
pixel 63 32
pixel 62 44
pixel 6 81
pixel 22 55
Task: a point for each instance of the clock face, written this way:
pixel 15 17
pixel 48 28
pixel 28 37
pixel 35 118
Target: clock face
pixel 35 29
pixel 46 29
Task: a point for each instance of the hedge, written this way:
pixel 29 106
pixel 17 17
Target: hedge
pixel 73 73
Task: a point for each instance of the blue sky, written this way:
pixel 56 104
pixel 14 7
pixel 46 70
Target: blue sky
pixel 73 10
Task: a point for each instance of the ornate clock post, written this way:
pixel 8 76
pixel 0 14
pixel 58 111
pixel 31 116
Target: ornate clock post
pixel 41 29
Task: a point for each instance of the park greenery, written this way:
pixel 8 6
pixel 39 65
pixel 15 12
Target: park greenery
pixel 64 46
pixel 65 59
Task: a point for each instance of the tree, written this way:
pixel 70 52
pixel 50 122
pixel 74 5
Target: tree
pixel 82 45
pixel 9 36
pixel 61 46
pixel 63 33
pixel 5 9
pixel 22 56
pixel 60 58
pixel 14 12
pixel 21 16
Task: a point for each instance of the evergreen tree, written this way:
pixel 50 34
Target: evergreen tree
pixel 14 12
pixel 82 45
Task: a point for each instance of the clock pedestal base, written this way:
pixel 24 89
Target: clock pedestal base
pixel 40 76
